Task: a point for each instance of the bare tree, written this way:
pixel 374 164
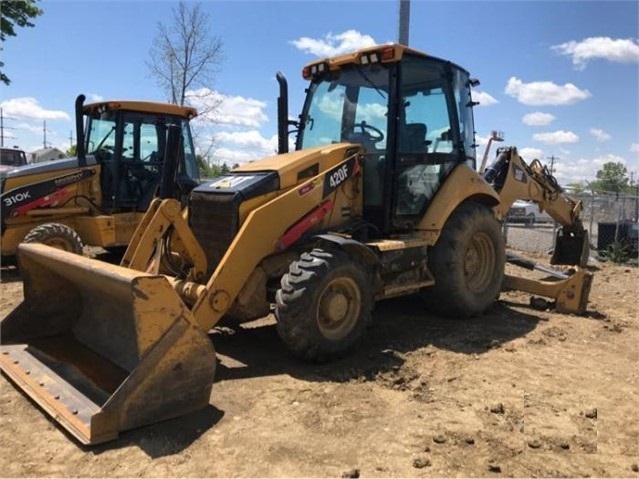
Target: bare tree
pixel 184 56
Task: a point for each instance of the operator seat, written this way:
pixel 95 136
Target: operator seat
pixel 415 138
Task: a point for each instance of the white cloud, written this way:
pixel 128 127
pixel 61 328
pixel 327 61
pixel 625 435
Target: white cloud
pixel 538 119
pixel 556 137
pixel 529 154
pixel 605 48
pixel 481 140
pixel 28 107
pixel 247 139
pixel 583 169
pixel 484 99
pixel 242 147
pixel 231 156
pixel 572 171
pixel 634 147
pixel 332 45
pixel 95 98
pixel 599 134
pixel 372 111
pixel 29 128
pixel 228 110
pixel 609 158
pixel 544 93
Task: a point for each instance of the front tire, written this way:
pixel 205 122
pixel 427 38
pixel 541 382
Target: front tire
pixel 324 304
pixel 467 263
pixel 56 235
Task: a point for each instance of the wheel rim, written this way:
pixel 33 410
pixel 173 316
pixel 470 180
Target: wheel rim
pixel 59 243
pixel 338 308
pixel 479 262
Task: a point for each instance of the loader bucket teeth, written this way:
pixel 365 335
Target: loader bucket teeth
pixel 102 348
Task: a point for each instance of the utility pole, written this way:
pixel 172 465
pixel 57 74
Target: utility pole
pixel 552 159
pixel 3 128
pixel 44 133
pixel 636 188
pixel 404 21
pixel 70 138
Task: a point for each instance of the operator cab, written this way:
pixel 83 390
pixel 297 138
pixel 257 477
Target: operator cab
pixel 129 140
pixel 411 112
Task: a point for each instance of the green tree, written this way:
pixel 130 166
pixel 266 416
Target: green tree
pixel 206 170
pixel 72 151
pixel 16 13
pixel 612 177
pixel 577 187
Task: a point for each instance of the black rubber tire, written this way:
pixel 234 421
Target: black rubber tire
pixel 323 283
pixel 467 263
pixel 56 235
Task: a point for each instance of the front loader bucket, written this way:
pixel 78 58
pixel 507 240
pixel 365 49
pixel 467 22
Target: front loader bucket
pixel 102 348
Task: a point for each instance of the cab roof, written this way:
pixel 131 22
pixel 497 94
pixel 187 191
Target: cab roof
pixel 388 53
pixel 141 106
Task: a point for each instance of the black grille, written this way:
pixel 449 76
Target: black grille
pixel 214 209
pixel 214 220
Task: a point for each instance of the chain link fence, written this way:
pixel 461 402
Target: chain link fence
pixel 611 221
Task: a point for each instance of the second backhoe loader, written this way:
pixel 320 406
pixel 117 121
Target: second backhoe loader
pixel 97 197
pixel 379 199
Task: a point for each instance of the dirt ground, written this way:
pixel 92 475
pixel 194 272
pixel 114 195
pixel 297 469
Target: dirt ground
pixel 518 392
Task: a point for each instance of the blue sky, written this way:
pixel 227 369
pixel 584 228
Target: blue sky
pixel 558 78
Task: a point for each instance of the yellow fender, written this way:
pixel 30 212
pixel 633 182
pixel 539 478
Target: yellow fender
pixel 462 184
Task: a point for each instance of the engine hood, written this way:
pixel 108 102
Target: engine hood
pixel 45 167
pixel 298 165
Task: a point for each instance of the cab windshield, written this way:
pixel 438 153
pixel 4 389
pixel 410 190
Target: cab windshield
pixel 350 106
pixel 142 139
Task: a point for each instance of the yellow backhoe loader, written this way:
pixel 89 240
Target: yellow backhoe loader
pixel 379 199
pixel 99 197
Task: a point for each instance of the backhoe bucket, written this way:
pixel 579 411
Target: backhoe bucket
pixel 102 348
pixel 571 248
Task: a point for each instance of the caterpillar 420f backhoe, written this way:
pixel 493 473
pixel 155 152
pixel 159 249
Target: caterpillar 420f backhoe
pixel 99 197
pixel 379 199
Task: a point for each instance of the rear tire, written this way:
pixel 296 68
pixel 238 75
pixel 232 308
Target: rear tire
pixel 324 304
pixel 467 263
pixel 56 235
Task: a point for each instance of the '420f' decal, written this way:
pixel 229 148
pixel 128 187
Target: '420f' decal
pixel 338 175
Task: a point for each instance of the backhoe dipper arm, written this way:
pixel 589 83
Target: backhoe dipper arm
pixel 514 179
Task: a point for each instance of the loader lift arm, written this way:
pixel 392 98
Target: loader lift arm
pixel 307 202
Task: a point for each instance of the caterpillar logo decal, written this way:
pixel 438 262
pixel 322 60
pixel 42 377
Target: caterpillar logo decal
pixel 519 174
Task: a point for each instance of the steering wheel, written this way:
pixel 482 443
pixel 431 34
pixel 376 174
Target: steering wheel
pixel 374 134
